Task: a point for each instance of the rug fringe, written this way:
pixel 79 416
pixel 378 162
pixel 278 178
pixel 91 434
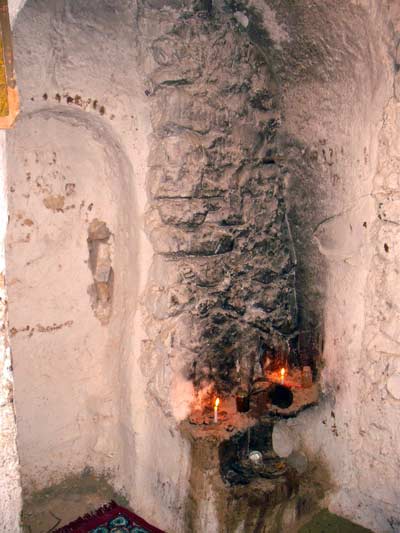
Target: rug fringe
pixel 73 526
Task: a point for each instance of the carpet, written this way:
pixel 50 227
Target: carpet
pixel 110 518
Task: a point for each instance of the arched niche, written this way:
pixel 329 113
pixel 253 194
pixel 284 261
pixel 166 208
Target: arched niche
pixel 65 171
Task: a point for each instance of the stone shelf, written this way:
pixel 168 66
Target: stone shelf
pixel 302 399
pixel 201 423
pixel 255 501
pixel 244 493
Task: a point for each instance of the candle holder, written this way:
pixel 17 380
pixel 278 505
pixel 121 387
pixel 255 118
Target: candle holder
pixel 262 399
pixel 242 401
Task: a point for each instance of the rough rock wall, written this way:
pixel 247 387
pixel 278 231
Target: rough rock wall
pixel 380 376
pixel 222 293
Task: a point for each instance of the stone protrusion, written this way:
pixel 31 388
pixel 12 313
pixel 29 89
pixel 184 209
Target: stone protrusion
pixel 217 211
pixel 393 386
pixel 100 263
pixel 178 242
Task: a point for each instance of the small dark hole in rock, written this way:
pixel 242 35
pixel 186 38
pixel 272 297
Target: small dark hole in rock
pixel 280 396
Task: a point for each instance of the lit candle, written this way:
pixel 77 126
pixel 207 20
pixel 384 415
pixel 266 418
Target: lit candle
pixel 216 404
pixel 282 376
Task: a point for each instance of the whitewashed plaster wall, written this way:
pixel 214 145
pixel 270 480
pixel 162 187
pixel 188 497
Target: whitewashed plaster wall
pixel 10 485
pixel 352 123
pixel 66 172
pixel 82 139
pixel 70 377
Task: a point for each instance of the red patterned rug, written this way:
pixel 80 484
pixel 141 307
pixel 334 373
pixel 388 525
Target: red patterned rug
pixel 110 518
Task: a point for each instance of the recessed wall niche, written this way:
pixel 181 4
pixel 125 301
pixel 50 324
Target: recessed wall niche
pixel 64 177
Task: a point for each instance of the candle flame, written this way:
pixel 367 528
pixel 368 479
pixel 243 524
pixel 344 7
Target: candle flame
pixel 216 403
pixel 283 371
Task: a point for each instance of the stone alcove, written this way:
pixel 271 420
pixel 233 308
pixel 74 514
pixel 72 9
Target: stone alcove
pixel 180 92
pixel 67 172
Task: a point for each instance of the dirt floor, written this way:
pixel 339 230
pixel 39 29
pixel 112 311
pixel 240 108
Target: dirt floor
pixel 56 506
pixel 326 522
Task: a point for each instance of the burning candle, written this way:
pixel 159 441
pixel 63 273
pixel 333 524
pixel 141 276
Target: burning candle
pixel 216 404
pixel 283 376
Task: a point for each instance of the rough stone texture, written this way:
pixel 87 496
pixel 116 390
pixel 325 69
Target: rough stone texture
pixel 341 199
pixel 100 261
pixel 246 504
pixel 221 289
pixel 217 217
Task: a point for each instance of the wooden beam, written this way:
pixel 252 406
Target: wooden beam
pixel 9 101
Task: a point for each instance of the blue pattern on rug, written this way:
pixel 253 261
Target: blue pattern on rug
pixel 121 524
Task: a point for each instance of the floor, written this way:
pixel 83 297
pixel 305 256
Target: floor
pixel 59 505
pixel 63 503
pixel 326 522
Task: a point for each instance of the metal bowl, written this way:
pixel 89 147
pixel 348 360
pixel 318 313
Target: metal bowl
pixel 256 457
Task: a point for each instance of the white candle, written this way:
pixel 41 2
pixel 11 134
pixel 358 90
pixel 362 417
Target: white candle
pixel 216 411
